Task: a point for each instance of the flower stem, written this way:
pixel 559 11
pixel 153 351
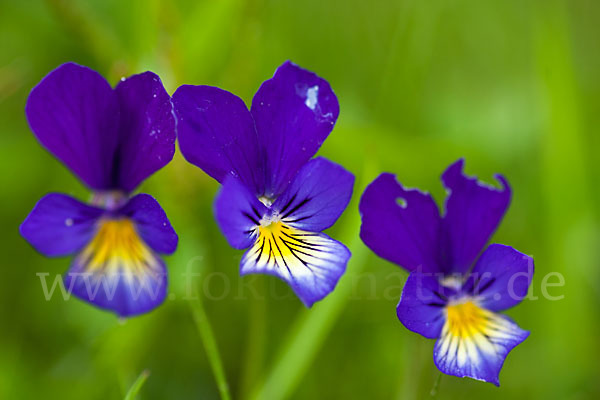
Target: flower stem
pixel 312 326
pixel 255 339
pixel 210 345
pixel 303 343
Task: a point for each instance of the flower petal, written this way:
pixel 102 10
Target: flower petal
pixel 151 223
pixel 294 112
pixel 146 131
pixel 74 113
pixel 400 225
pixel 475 343
pixel 501 277
pixel 311 263
pixel 421 307
pixel 316 197
pixel 60 225
pixel 238 213
pixel 117 271
pixel 216 133
pixel 473 211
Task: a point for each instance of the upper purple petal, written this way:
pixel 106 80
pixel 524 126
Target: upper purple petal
pixel 216 133
pixel 400 225
pixel 316 197
pixel 294 112
pixel 60 225
pixel 501 277
pixel 473 211
pixel 151 223
pixel 146 131
pixel 238 212
pixel 421 307
pixel 74 113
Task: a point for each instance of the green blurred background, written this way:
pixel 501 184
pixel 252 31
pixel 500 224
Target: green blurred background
pixel 512 86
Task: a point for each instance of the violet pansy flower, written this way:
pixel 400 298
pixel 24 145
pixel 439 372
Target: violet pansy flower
pixel 453 293
pixel 112 139
pixel 275 200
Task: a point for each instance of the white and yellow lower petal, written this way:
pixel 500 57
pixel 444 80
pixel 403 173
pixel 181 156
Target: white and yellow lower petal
pixel 475 341
pixel 311 263
pixel 117 270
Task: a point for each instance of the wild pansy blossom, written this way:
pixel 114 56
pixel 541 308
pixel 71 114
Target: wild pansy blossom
pixel 451 294
pixel 112 139
pixel 274 200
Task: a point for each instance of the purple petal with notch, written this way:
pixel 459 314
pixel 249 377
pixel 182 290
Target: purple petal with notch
pixel 317 196
pixel 74 113
pixel 60 225
pixel 238 213
pixel 401 225
pixel 501 277
pixel 216 133
pixel 473 212
pixel 294 113
pixel 146 131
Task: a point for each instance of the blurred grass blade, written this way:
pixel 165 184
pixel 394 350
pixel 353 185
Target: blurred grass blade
pixel 565 184
pixel 210 346
pixel 137 385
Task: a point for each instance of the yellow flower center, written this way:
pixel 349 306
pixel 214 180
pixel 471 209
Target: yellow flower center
pixel 466 319
pixel 278 238
pixel 117 246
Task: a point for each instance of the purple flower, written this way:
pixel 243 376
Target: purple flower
pixel 453 294
pixel 112 139
pixel 274 199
